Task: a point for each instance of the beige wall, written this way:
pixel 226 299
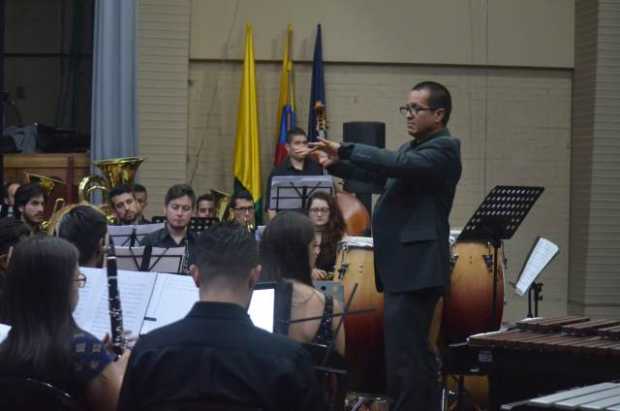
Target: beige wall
pixel 514 122
pixel 498 32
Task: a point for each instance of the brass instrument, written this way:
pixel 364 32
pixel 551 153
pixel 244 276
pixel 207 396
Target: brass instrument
pixel 115 172
pixel 53 223
pixel 222 199
pixel 47 184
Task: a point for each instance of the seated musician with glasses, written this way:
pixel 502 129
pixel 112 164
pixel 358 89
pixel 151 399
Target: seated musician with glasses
pixel 329 227
pixel 288 250
pixel 45 343
pixel 242 208
pixel 178 209
pixel 215 355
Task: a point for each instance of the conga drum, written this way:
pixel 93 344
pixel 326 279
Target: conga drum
pixel 468 304
pixel 364 332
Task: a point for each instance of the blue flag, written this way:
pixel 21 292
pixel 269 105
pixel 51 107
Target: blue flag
pixel 317 91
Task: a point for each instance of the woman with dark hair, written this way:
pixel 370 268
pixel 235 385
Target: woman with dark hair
pixel 41 291
pixel 288 251
pixel 329 227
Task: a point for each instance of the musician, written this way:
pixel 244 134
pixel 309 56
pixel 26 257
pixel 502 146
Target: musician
pixel 288 251
pixel 124 204
pixel 410 230
pixel 296 163
pixel 206 206
pixel 329 229
pixel 12 231
pixel 242 207
pixel 179 204
pixel 142 198
pixel 215 354
pixel 85 227
pixel 45 343
pixel 30 205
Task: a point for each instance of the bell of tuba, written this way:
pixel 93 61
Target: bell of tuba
pixel 221 204
pixel 47 184
pixel 115 171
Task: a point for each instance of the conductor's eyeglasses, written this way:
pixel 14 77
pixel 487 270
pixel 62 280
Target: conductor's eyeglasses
pixel 411 109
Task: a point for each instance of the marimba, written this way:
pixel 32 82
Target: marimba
pixel 544 355
pixel 602 397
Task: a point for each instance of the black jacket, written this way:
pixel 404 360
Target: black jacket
pixel 410 221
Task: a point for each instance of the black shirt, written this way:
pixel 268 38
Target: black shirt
pixel 311 168
pixel 162 238
pixel 217 353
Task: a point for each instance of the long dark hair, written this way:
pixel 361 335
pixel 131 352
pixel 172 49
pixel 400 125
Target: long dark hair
pixel 38 306
pixel 284 248
pixel 332 233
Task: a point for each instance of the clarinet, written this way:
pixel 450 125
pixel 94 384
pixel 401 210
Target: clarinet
pixel 114 302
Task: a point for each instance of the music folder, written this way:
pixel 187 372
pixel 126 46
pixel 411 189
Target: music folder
pixel 539 257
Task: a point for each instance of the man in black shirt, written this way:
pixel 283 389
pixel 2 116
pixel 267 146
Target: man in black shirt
pixel 30 205
pixel 216 355
pixel 179 205
pixel 295 164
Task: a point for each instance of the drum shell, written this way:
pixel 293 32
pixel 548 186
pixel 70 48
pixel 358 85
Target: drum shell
pixel 468 306
pixel 364 332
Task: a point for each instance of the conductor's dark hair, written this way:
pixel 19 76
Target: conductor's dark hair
pixel 295 131
pixel 84 227
pixel 439 97
pixel 226 250
pixel 178 191
pixel 284 248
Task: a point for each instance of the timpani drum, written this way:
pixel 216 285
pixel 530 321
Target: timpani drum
pixel 364 332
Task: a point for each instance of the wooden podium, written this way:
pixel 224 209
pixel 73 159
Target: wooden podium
pixel 68 167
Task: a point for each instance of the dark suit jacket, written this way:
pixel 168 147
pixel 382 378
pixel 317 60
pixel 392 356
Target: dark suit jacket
pixel 410 222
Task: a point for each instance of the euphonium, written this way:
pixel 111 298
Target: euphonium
pixel 47 184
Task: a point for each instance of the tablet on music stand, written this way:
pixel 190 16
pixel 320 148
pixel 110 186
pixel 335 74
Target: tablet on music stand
pixel 157 259
pixel 262 305
pixel 539 257
pixel 292 192
pixel 131 235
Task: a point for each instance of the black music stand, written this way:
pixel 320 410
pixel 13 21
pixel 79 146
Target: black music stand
pixel 196 224
pixel 147 258
pixel 293 192
pixel 498 218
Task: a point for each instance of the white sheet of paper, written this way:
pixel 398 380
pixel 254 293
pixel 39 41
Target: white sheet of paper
pixel 173 297
pixel 92 312
pixel 542 253
pixel 4 331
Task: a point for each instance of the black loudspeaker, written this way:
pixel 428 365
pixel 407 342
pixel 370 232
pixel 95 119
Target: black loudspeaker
pixel 365 132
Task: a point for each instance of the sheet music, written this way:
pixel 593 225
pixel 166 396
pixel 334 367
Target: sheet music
pixel 173 297
pixel 540 255
pixel 4 331
pixel 135 289
pixel 121 234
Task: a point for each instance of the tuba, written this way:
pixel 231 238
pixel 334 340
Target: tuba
pixel 47 184
pixel 115 172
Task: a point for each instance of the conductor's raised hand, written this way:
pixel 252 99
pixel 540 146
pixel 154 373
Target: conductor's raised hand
pixel 328 146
